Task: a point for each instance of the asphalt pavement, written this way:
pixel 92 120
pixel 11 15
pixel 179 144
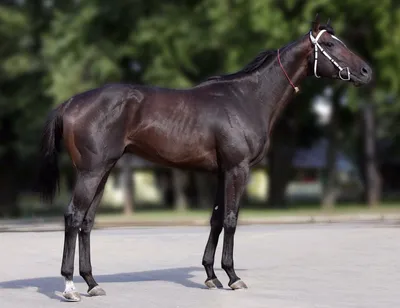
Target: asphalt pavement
pixel 285 266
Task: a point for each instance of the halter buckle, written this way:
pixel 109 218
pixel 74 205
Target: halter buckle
pixel 348 74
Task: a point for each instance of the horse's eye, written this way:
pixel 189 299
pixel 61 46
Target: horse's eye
pixel 329 44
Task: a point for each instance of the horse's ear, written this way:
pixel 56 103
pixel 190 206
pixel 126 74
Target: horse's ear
pixel 329 22
pixel 315 25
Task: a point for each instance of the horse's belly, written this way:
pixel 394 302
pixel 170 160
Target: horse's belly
pixel 187 151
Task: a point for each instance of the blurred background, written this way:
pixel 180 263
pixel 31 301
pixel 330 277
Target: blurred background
pixel 335 148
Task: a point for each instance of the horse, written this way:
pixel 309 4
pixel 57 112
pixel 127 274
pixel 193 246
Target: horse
pixel 220 125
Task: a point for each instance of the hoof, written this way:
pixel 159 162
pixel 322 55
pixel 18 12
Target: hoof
pixel 214 284
pixel 72 296
pixel 97 291
pixel 237 285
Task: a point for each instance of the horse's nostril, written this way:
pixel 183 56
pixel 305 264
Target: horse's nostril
pixel 365 71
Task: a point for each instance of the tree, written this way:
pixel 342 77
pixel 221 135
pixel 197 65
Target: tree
pixel 373 39
pixel 56 49
pixel 364 36
pixel 22 101
pixel 331 173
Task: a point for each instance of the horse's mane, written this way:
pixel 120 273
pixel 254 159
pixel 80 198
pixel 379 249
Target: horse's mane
pixel 263 58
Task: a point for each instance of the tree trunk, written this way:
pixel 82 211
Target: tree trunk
pixel 179 180
pixel 205 189
pixel 330 190
pixel 280 169
pixel 371 176
pixel 9 175
pixel 127 185
pixel 8 190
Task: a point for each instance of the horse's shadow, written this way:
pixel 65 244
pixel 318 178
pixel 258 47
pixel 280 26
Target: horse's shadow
pixel 50 286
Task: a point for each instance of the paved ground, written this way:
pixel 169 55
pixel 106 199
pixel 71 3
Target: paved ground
pixel 296 266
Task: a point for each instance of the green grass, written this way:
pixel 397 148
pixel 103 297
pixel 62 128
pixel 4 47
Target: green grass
pixel 168 215
pixel 248 211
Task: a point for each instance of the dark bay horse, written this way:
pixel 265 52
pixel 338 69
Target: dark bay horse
pixel 222 125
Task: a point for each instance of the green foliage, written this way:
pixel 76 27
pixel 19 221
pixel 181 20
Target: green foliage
pixel 20 83
pixel 52 50
pixel 219 35
pixel 75 62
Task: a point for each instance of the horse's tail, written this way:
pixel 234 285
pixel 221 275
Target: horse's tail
pixel 48 181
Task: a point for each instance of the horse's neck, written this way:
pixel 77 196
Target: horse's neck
pixel 275 88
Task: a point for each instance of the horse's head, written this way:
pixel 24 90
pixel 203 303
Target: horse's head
pixel 332 59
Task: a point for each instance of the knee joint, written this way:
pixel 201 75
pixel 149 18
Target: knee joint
pixel 230 222
pixel 87 225
pixel 73 220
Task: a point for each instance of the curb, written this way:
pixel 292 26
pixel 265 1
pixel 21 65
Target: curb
pixel 41 225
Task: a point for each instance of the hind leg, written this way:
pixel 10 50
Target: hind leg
pixel 85 267
pixel 85 190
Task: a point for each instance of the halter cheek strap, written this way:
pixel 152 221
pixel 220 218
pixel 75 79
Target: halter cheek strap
pixel 317 46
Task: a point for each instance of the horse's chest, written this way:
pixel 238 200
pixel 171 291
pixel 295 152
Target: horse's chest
pixel 260 151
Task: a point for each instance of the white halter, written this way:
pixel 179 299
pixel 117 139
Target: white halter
pixel 315 42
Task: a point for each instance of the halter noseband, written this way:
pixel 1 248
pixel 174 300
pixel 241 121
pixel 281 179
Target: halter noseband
pixel 317 46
